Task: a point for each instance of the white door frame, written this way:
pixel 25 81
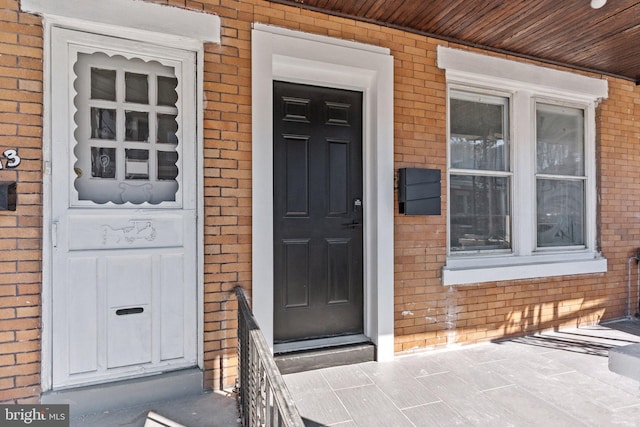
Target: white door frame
pixel 281 54
pixel 146 22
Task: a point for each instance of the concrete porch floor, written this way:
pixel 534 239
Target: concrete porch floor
pixel 550 379
pixel 215 409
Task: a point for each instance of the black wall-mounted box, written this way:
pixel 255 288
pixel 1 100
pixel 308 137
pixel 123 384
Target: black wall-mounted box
pixel 419 191
pixel 7 196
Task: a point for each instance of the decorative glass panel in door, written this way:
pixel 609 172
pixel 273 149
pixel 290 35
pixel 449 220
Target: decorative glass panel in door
pixel 127 130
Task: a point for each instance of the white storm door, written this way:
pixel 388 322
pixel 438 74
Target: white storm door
pixel 123 209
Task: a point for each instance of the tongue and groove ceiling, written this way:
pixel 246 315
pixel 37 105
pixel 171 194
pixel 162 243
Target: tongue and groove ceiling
pixel 564 32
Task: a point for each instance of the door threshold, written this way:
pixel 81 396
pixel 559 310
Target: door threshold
pixel 327 357
pixel 289 347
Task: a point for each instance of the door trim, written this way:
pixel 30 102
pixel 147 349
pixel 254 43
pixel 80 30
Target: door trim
pixel 65 17
pixel 281 54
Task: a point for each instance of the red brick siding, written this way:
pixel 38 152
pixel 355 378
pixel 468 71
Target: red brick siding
pixel 21 231
pixel 427 314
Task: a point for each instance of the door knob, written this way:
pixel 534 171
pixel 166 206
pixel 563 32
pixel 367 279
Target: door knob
pixel 357 214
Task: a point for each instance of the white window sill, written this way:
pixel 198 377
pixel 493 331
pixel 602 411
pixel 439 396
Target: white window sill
pixel 475 271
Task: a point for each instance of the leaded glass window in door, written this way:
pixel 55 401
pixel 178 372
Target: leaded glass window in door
pixel 127 137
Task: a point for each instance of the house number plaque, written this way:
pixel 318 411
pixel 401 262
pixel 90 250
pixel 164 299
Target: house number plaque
pixel 11 159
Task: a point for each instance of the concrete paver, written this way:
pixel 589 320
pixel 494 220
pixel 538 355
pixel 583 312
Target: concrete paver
pixel 549 379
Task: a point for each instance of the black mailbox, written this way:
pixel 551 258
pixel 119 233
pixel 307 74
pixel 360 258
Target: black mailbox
pixel 7 196
pixel 419 191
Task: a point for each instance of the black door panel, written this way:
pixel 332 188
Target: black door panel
pixel 318 289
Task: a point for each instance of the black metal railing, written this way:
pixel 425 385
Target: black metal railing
pixel 263 396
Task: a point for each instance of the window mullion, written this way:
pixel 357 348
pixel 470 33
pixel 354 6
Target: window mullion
pixel 523 128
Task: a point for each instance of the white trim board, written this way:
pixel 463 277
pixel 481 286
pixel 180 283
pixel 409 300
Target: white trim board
pixel 475 276
pixel 130 16
pixel 461 65
pixel 280 54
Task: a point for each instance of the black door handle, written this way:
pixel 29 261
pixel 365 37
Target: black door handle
pixel 357 214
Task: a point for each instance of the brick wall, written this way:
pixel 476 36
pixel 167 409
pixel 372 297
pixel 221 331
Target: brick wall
pixel 427 314
pixel 20 231
pixel 227 142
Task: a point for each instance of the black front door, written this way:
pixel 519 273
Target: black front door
pixel 318 288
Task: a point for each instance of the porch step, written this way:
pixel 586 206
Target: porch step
pixel 307 360
pixel 625 360
pixel 129 393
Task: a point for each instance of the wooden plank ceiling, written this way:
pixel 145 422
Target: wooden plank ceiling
pixel 567 32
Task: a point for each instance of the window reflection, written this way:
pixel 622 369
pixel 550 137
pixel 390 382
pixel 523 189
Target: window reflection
pixel 167 169
pixel 136 88
pixel 167 95
pixel 103 84
pixel 560 140
pixel 480 213
pixel 137 126
pixel 560 213
pixel 136 164
pixel 479 132
pixel 167 128
pixel 103 162
pixel 103 123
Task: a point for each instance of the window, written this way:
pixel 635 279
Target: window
pixel 560 176
pixel 128 150
pixel 479 173
pixel 521 170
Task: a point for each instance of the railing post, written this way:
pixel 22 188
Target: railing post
pixel 264 397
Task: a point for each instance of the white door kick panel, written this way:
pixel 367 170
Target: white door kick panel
pixel 144 306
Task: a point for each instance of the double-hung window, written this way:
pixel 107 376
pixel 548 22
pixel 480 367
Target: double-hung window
pixel 560 177
pixel 521 170
pixel 479 173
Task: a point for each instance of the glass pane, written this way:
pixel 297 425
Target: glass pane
pixel 103 84
pixel 479 132
pixel 480 213
pixel 167 94
pixel 103 162
pixel 560 212
pixel 167 128
pixel 136 88
pixel 125 151
pixel 136 164
pixel 137 123
pixel 560 140
pixel 103 123
pixel 167 168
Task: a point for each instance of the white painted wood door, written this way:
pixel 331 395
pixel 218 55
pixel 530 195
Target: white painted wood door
pixel 123 208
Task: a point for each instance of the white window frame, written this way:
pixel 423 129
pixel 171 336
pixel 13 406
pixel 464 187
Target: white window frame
pixel 526 84
pixel 587 177
pixel 508 173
